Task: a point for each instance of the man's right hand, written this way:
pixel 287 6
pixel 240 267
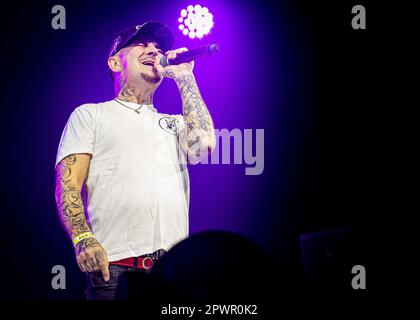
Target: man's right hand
pixel 91 256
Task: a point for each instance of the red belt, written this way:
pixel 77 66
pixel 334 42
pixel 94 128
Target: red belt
pixel 136 262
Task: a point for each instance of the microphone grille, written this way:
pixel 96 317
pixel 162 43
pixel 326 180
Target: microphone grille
pixel 164 61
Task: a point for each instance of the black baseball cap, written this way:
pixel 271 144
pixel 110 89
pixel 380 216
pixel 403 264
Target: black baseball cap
pixel 153 30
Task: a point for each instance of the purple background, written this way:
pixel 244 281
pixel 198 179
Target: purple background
pixel 237 85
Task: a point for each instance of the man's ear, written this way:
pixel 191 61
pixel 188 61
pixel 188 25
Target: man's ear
pixel 114 63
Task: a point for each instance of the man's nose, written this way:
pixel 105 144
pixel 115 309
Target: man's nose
pixel 153 52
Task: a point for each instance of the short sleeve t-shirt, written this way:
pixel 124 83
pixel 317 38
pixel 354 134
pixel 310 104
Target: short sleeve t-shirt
pixel 136 193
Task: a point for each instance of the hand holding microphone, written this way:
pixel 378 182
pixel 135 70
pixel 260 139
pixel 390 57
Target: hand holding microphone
pixel 187 56
pixel 179 61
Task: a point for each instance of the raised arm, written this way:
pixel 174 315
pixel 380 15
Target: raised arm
pixel 198 138
pixel 70 176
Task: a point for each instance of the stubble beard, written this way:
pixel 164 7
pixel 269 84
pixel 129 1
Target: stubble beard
pixel 149 78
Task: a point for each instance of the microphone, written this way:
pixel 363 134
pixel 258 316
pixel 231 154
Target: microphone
pixel 190 55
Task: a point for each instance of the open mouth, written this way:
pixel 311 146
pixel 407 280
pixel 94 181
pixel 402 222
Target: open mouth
pixel 148 63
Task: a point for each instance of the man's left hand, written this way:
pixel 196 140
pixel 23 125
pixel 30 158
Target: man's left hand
pixel 174 71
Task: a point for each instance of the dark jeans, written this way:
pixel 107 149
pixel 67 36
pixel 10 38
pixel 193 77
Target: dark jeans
pixel 99 289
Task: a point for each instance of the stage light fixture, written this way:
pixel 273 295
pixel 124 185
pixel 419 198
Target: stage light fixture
pixel 195 21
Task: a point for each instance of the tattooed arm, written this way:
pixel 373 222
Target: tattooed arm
pixel 70 176
pixel 198 138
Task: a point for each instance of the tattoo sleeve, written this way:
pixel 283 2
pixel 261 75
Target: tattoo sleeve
pixel 69 201
pixel 198 122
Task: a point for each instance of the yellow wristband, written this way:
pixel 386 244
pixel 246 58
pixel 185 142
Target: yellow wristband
pixel 82 236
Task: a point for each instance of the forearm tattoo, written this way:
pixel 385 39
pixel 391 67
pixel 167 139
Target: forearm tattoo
pixel 69 201
pixel 197 118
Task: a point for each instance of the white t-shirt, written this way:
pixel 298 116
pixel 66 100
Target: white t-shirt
pixel 136 193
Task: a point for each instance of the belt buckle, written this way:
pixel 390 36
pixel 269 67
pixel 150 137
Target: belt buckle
pixel 144 265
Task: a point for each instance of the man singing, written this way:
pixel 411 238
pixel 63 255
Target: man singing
pixel 131 161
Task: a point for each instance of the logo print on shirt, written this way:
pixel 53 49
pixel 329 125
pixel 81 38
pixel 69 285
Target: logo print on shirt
pixel 169 124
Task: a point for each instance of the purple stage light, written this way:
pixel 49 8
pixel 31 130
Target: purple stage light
pixel 195 21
